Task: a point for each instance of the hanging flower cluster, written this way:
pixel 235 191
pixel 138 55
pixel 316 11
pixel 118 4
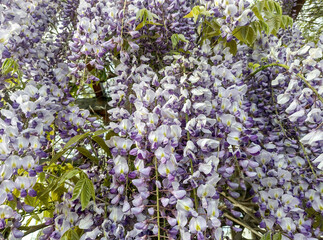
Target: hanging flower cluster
pixel 29 114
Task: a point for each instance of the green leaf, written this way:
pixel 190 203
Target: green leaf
pixel 277 236
pixel 196 11
pixel 58 192
pixel 75 139
pixel 49 188
pixel 70 234
pixel 72 141
pixel 286 21
pixel 213 34
pixel 77 189
pixel 146 17
pixel 233 47
pixel 266 236
pixel 99 132
pixel 250 36
pixel 237 32
pixel 260 5
pixel 264 27
pixel 270 6
pixel 274 24
pixel 257 13
pixel 278 8
pixel 110 134
pixel 182 38
pixel 153 23
pixel 41 193
pixel 290 21
pixel 245 34
pixel 140 25
pixel 103 145
pixel 215 25
pixel 68 175
pixel 85 189
pixel 42 176
pixel 87 154
pixel 57 156
pixel 87 193
pixel 190 15
pixel 31 201
pixel 49 213
pixel 140 14
pixel 7 65
pixel 174 39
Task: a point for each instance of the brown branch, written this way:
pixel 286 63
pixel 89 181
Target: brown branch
pixel 31 229
pixel 296 9
pixel 242 223
pixel 95 105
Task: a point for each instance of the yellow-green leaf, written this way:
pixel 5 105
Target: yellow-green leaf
pixel 257 13
pixel 87 154
pixel 77 189
pixel 274 24
pixel 101 131
pixel 58 192
pixel 277 236
pixel 190 15
pixel 68 175
pixel 75 139
pixel 103 145
pixel 70 234
pixel 233 47
pixel 266 236
pixel 140 25
pixel 87 193
pixel 57 156
pixel 278 8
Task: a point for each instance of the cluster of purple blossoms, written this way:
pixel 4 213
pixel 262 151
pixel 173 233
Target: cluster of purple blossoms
pixel 29 104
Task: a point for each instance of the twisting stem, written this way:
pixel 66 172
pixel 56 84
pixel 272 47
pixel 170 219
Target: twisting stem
pixel 287 68
pixel 157 198
pixel 306 156
pixel 242 224
pixel 196 204
pixel 247 210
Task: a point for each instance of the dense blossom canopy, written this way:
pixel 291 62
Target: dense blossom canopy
pixel 215 121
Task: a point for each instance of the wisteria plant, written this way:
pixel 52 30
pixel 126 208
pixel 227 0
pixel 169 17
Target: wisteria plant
pixel 213 122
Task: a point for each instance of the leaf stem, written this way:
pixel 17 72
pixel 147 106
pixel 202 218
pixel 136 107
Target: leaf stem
pixel 276 111
pixel 242 224
pixel 157 198
pixel 306 156
pixel 192 170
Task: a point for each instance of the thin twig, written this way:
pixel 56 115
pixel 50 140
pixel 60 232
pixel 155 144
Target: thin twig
pixel 306 156
pixel 242 224
pixel 157 198
pixel 243 208
pixel 31 229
